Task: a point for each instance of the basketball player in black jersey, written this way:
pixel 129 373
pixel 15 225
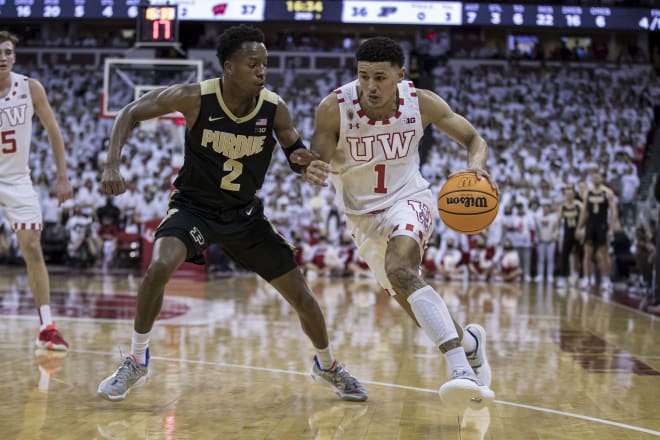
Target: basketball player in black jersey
pixel 230 122
pixel 571 250
pixel 596 226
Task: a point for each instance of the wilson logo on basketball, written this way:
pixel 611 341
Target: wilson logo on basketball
pixel 468 201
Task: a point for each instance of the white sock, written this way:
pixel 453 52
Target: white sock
pixel 44 315
pixel 469 342
pixel 139 345
pixel 457 361
pixel 325 357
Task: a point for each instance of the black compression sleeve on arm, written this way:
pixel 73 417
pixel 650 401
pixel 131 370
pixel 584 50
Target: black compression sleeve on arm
pixel 287 151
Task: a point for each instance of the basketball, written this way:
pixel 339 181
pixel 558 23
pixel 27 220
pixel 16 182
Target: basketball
pixel 466 204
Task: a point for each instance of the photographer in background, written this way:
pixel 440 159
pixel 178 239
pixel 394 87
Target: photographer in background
pixel 83 247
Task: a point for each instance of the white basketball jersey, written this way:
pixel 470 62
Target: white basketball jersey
pixel 377 161
pixel 16 112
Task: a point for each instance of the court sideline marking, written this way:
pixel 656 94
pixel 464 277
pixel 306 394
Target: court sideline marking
pixel 389 385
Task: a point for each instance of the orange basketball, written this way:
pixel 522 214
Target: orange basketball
pixel 466 204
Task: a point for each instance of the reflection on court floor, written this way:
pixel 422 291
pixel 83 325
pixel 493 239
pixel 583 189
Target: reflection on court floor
pixel 231 362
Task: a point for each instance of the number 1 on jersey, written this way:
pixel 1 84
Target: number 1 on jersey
pixel 380 171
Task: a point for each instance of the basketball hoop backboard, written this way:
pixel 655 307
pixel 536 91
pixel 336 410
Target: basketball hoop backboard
pixel 126 79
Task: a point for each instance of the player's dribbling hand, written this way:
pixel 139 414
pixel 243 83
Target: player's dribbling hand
pixel 112 183
pixel 480 173
pixel 317 172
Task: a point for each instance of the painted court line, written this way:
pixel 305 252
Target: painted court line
pixel 389 385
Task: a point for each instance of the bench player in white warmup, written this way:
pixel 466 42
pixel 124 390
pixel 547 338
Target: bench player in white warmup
pixel 367 134
pixel 20 98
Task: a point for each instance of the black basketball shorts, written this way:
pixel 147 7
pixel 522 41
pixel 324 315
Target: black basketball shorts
pixel 596 234
pixel 244 234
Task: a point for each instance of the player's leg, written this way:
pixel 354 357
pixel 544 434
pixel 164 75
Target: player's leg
pixel 261 249
pixel 29 242
pixel 326 370
pixel 181 235
pixel 293 287
pixel 541 252
pixel 603 256
pixel 23 210
pixel 550 258
pixel 411 225
pixel 401 262
pixel 587 267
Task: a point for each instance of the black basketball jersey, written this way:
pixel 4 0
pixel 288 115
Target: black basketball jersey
pixel 597 207
pixel 570 216
pixel 227 157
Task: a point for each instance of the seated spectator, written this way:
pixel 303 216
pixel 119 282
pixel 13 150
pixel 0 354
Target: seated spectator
pixel 108 234
pixel 449 262
pixel 644 252
pixel 508 267
pixel 325 259
pixel 481 265
pixel 623 261
pixel 83 245
pixel 109 210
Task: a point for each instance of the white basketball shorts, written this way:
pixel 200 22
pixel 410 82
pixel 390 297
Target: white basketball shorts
pixel 20 204
pixel 412 216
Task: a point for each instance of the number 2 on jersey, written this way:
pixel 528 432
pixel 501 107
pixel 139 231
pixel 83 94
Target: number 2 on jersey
pixel 235 169
pixel 380 175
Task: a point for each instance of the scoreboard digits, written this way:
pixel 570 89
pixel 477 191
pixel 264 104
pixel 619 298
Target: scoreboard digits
pixel 157 24
pixel 449 13
pixel 575 17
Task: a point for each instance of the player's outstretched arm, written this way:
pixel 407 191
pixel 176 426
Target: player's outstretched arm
pixel 295 150
pixel 184 98
pixel 436 111
pixel 324 140
pixel 46 115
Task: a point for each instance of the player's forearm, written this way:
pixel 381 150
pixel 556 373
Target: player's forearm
pixel 477 152
pixel 120 132
pixel 57 147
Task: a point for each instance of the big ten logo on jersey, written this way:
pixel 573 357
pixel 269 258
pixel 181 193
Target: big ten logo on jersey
pixel 410 120
pixel 394 145
pixel 233 146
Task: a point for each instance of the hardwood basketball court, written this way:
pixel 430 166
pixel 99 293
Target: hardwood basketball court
pixel 229 361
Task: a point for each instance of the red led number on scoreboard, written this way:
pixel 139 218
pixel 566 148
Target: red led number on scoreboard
pixel 167 31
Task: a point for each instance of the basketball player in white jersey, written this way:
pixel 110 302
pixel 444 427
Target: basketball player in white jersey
pixel 367 134
pixel 20 98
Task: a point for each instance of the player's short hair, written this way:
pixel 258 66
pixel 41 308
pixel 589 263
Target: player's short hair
pixel 233 38
pixel 8 36
pixel 379 49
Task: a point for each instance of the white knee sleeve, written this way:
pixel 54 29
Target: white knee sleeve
pixel 433 315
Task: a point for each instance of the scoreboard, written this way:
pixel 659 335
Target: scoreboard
pixel 577 17
pixel 443 13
